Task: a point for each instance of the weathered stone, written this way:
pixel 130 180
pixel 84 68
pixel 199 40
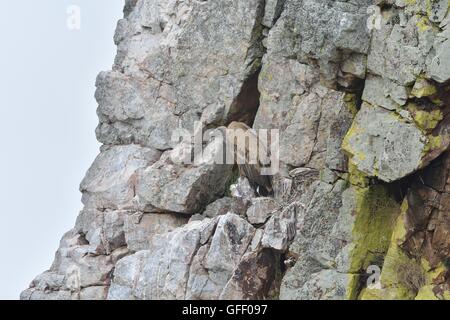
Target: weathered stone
pixel 437 10
pixel 124 113
pixel 103 230
pixel 261 209
pixel 230 240
pixel 312 246
pixel 110 182
pixel 242 190
pixel 214 264
pixel 72 271
pixel 355 64
pixel 94 293
pixel 272 12
pixel 399 51
pixel 139 229
pixel 384 93
pixel 437 66
pixel 343 30
pixel 162 271
pixel 325 285
pixel 280 229
pixel 225 205
pixel 252 278
pixel 340 232
pixel 180 188
pixel 423 88
pixel 384 145
pixel 175 60
pixel 80 269
pixel 33 294
pixel 306 116
pixel 155 225
pixel 181 264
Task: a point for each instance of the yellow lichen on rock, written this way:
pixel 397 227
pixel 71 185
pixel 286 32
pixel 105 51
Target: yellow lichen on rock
pixel 402 276
pixel 423 88
pixel 434 143
pixel 426 293
pixel 392 287
pixel 426 120
pixel 424 24
pixel 351 103
pixel 375 214
pixel 356 177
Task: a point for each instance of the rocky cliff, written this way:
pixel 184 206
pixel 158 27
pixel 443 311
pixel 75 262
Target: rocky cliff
pixel 360 93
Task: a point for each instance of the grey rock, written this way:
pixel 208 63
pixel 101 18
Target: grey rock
pixel 155 226
pixel 231 238
pixel 197 217
pixel 94 293
pixel 311 119
pixel 110 182
pixel 399 52
pixel 73 270
pixel 384 145
pixel 103 230
pixel 318 211
pixel 384 93
pixel 176 60
pixel 253 277
pixel 325 285
pixel 261 209
pixel 33 294
pixel 323 30
pixel 125 273
pixel 437 66
pixel 225 205
pixel 178 188
pixel 332 244
pixel 280 230
pixel 162 271
pixel 437 10
pixel 306 120
pixel 214 263
pixel 194 261
pixel 355 64
pixel 124 113
pixel 48 281
pixel 242 190
pixel 139 229
pixel 272 12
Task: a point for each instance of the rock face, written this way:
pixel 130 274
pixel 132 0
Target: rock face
pixel 360 95
pixel 383 145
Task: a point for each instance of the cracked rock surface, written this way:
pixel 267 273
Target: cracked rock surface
pixel 360 94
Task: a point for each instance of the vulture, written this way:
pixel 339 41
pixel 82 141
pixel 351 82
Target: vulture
pixel 250 164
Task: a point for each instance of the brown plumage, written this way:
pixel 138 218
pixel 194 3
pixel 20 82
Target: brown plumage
pixel 247 168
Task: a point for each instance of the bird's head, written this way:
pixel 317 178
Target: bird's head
pixel 235 125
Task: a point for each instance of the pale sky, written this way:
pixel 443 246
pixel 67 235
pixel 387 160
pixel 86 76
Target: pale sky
pixel 48 115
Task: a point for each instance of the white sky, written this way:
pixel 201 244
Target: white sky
pixel 47 113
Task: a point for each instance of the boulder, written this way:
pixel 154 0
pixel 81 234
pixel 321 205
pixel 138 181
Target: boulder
pixel 172 187
pixel 280 230
pixel 384 145
pixel 225 205
pixel 261 210
pixel 110 181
